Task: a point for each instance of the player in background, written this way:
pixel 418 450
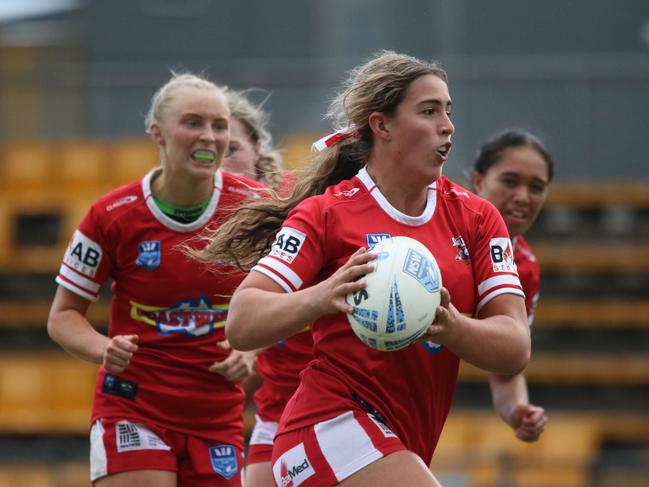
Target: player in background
pixel 251 152
pixel 361 416
pixel 278 367
pixel 168 406
pixel 513 171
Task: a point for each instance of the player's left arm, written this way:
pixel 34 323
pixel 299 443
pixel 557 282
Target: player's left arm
pixel 511 402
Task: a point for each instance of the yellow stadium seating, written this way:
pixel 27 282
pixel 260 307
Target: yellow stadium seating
pixel 130 159
pixel 49 392
pixel 27 166
pixel 83 167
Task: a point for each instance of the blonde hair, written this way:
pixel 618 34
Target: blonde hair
pixel 379 85
pixel 163 97
pixel 269 165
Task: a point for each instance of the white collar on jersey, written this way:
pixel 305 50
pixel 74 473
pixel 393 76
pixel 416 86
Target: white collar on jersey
pixel 412 221
pixel 170 222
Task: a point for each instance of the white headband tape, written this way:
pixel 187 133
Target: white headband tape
pixel 332 139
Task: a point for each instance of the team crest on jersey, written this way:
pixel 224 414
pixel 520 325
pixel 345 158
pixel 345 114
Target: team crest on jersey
pixel 374 238
pixel 502 255
pixel 148 255
pixel 287 244
pixel 196 317
pixel 83 255
pixel 224 460
pixel 462 250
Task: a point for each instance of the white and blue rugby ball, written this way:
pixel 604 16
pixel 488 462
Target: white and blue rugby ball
pixel 401 297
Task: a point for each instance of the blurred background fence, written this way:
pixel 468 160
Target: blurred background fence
pixel 75 83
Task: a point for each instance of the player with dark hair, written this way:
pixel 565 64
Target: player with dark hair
pixel 513 171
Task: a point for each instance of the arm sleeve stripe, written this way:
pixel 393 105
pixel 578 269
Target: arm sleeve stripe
pixel 76 290
pixel 484 286
pixel 498 292
pixel 283 270
pixel 278 279
pixel 79 280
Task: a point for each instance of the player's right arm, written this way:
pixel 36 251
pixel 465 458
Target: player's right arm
pixel 67 325
pixel 261 313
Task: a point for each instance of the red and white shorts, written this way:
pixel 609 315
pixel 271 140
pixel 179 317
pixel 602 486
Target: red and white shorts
pixel 118 445
pixel 260 447
pixel 326 453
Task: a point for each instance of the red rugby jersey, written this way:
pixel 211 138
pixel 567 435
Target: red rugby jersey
pixel 529 274
pixel 411 389
pixel 175 305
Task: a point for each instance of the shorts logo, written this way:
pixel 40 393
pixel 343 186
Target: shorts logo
pixel 374 238
pixel 134 436
pixel 287 244
pixel 387 432
pixel 224 460
pixel 83 255
pixel 502 255
pixel 293 467
pixel 148 255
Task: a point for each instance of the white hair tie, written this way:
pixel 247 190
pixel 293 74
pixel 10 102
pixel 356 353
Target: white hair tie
pixel 332 139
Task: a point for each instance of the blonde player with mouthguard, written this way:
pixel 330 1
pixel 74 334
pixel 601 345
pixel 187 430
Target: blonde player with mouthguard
pixel 168 406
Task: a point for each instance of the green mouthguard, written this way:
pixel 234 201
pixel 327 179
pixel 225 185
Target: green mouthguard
pixel 203 155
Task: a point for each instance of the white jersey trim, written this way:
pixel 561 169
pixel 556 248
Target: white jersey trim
pixel 273 276
pixel 76 290
pixel 498 292
pixel 498 281
pixel 170 222
pixel 413 221
pixel 288 274
pixel 71 275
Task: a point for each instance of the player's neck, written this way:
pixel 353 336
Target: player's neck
pixel 181 192
pixel 409 202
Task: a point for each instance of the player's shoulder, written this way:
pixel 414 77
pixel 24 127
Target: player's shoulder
pixel 240 187
pixel 523 249
pixel 343 193
pixel 120 200
pixel 456 195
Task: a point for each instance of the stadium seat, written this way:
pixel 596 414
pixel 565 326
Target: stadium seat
pixel 554 312
pixel 49 392
pixel 576 368
pixel 130 159
pixel 586 195
pixel 83 167
pixel 296 149
pixel 592 257
pixel 27 166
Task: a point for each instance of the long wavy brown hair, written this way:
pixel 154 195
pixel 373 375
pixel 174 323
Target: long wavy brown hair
pixel 379 85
